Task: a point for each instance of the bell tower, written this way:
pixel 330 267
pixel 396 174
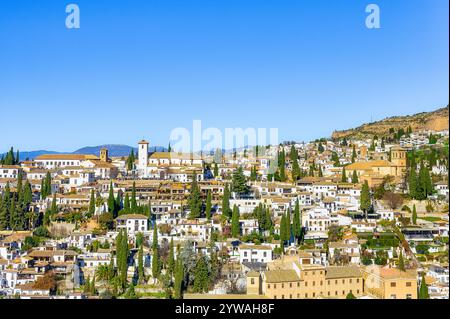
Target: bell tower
pixel 104 154
pixel 142 154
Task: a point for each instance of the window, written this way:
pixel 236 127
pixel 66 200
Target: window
pixel 298 284
pixel 393 284
pixel 268 286
pixel 408 284
pixel 408 296
pixel 306 295
pixel 252 281
pixel 282 285
pixel 290 296
pixel 290 285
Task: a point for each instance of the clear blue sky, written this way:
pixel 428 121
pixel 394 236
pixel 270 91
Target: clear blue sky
pixel 141 68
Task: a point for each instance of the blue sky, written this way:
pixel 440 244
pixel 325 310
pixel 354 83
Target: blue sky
pixel 141 68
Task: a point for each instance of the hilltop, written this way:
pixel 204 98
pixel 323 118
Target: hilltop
pixel 436 120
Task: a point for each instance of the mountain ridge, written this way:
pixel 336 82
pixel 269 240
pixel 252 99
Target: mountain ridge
pixel 436 120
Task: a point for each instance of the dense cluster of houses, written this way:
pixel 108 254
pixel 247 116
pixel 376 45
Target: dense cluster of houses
pixel 324 265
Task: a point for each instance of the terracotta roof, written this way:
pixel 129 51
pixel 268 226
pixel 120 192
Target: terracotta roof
pixel 275 276
pixel 343 272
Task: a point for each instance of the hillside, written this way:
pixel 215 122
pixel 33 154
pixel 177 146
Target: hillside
pixel 435 120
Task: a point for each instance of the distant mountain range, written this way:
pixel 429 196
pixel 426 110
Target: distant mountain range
pixel 114 150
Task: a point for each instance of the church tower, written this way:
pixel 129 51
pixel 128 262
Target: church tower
pixel 142 155
pixel 398 159
pixel 104 154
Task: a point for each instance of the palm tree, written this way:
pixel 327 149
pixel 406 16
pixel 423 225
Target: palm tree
pixel 103 273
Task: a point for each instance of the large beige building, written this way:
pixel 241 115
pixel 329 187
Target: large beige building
pixel 373 171
pixel 304 280
pixel 390 283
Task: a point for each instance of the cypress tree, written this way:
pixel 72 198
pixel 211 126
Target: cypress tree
pixel 54 208
pixel 414 215
pixel 297 226
pixel 195 203
pixel 126 204
pixel 423 290
pixel 141 264
pixel 216 170
pixel 48 184
pixel 413 183
pixel 133 199
pixel 354 154
pixel 179 275
pixel 344 176
pixel 365 197
pixel 355 178
pixel 401 262
pixel 208 205
pixel 235 226
pixel 288 225
pixel 171 258
pixel 92 203
pixel 111 200
pixel 201 275
pixel 226 211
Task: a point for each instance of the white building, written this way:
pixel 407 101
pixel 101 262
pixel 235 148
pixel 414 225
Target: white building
pixel 133 223
pixel 255 253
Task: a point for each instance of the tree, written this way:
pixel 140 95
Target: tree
pixel 156 265
pixel 112 207
pixel 171 261
pixel 226 211
pixel 320 148
pixel 350 295
pixel 201 275
pixel 208 205
pixel 297 226
pixel 130 161
pixel 239 184
pixel 423 290
pixel 414 215
pixel 295 167
pixel 282 165
pixel 354 154
pixel 365 201
pixel 216 170
pixel 401 262
pixel 355 178
pixel 343 176
pixel 195 203
pixel 106 220
pixel 179 276
pixel 126 204
pixel 141 275
pixel 235 226
pixel 253 174
pixel 393 200
pixel 133 203
pixel 91 210
pixel 131 293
